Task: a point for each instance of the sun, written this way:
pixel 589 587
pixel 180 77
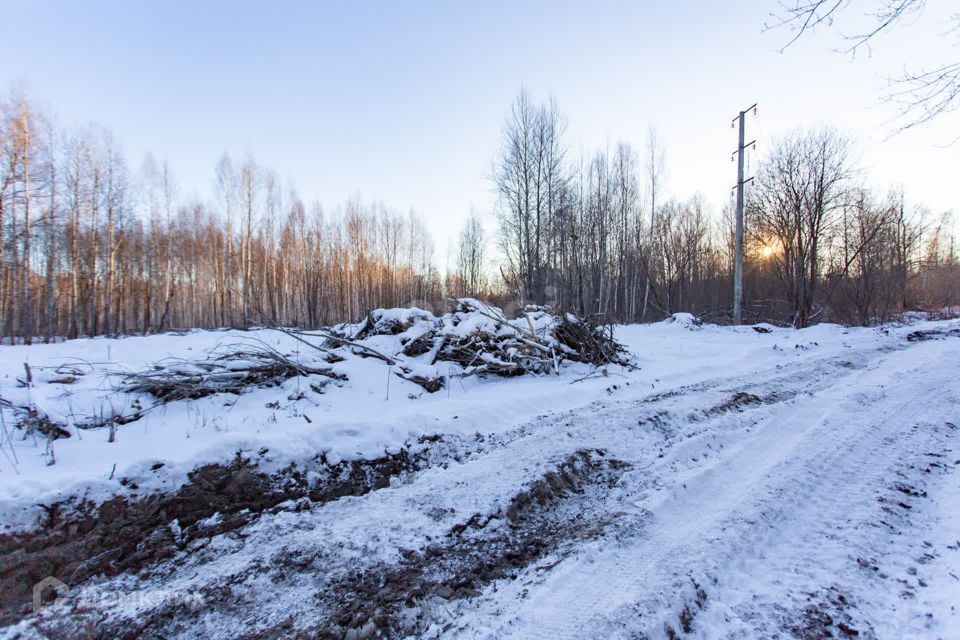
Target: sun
pixel 767 251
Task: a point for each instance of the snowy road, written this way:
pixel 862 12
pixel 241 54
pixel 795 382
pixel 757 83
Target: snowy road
pixel 803 499
pixel 761 510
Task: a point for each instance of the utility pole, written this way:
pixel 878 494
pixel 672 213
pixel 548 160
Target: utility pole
pixel 738 243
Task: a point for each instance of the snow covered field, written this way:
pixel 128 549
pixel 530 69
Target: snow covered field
pixel 742 482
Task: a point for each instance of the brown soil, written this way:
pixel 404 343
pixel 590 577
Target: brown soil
pixel 469 558
pixel 396 600
pixel 126 534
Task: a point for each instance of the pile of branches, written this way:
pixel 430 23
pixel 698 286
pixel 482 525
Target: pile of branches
pixel 588 341
pixel 378 322
pixel 482 341
pixel 231 372
pixel 516 350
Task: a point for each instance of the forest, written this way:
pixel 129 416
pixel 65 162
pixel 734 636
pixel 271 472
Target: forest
pixel 94 245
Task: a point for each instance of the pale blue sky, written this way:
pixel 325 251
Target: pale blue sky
pixel 403 101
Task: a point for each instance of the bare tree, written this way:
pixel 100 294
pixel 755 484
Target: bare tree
pixel 922 95
pixel 628 227
pixel 656 167
pixel 116 204
pixel 227 186
pixel 529 176
pixel 8 165
pixel 800 189
pixel 25 142
pixel 51 239
pixel 250 180
pixel 471 248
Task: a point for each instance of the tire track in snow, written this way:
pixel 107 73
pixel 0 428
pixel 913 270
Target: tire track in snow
pixel 815 458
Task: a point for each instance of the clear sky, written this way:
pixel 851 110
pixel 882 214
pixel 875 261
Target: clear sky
pixel 404 101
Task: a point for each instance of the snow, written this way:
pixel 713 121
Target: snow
pixel 361 418
pixel 769 507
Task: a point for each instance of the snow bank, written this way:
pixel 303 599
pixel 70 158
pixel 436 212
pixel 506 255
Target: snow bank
pixel 367 409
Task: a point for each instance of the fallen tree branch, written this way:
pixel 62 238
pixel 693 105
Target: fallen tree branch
pixel 232 372
pixel 372 353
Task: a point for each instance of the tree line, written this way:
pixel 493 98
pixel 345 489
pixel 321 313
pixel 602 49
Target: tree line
pixel 595 234
pixel 91 246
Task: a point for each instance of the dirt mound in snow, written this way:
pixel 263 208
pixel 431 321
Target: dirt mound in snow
pixel 396 601
pixel 544 517
pixel 125 534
